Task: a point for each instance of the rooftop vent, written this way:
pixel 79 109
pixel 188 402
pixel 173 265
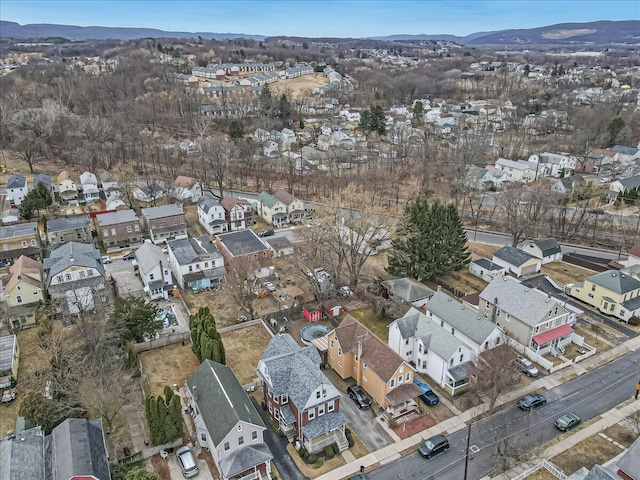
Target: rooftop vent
pixel 526 289
pixel 613 274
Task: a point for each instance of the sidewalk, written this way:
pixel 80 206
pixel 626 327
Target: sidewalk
pixel 392 452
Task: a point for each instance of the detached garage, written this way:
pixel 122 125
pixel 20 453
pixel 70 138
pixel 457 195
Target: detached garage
pixel 332 307
pixel 516 261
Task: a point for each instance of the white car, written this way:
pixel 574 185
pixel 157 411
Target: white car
pixel 187 462
pixel 269 286
pixel 605 180
pixel 526 367
pixel 106 260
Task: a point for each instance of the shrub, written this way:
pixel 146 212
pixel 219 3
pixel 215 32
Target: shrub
pixel 319 463
pixel 312 458
pixel 335 448
pixel 328 452
pixel 347 431
pixel 350 441
pixel 634 321
pixel 303 453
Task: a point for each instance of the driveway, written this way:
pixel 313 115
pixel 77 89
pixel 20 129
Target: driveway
pixel 175 472
pixel 278 446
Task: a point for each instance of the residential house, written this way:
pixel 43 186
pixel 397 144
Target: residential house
pixel 187 189
pixel 547 249
pixel 17 189
pixel 625 154
pixel 486 270
pixel 75 450
pixel 89 184
pixel 149 193
pixel 45 180
pixel 622 186
pixel 67 188
pixel 22 290
pixel 528 316
pixel 165 223
pixel 154 270
pixel 120 229
pixel 355 352
pixel 516 261
pixel 242 244
pixel 295 207
pixel 196 263
pixel 227 423
pixel 10 216
pixel 299 396
pixel 212 215
pixel 612 292
pixel 518 171
pixel 628 467
pixel 406 290
pixel 75 277
pixel 107 182
pixel 69 229
pixel 188 147
pixel 280 246
pixel 553 164
pixel 272 210
pixel 9 360
pixel 567 185
pixel 237 213
pixel 20 239
pixel 114 202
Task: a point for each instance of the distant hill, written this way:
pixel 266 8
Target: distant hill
pixel 73 32
pixel 596 33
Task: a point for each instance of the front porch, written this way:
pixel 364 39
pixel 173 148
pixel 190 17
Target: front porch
pixel 401 403
pixel 247 463
pixel 457 379
pixel 553 341
pixel 324 431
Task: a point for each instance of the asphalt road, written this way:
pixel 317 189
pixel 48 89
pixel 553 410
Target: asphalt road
pixel 588 396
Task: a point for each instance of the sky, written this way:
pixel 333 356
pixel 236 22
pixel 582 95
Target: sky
pixel 329 18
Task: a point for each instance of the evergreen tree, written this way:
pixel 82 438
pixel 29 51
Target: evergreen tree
pixel 175 416
pixel 235 129
pixel 205 338
pixel 429 241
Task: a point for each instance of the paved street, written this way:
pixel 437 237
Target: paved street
pixel 589 395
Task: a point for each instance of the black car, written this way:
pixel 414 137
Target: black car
pixel 266 233
pixel 532 401
pixel 434 446
pixel 358 395
pixel 129 256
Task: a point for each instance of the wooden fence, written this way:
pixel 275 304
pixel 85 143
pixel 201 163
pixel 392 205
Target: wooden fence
pixel 160 342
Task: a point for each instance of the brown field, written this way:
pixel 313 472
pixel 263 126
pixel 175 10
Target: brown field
pixel 542 474
pixel 587 453
pixel 222 306
pixel 565 273
pixel 481 250
pixel 191 215
pixel 168 365
pixel 300 85
pixel 244 348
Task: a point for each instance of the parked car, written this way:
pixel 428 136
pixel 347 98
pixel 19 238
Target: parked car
pixel 434 446
pixel 187 462
pixel 106 260
pixel 428 396
pixel 345 291
pixel 526 367
pixel 532 401
pixel 605 180
pixel 266 233
pixel 129 256
pixel 358 395
pixel 360 476
pixel 269 286
pixel 567 421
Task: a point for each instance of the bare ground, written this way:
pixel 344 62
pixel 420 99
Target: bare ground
pixel 244 348
pixel 299 86
pixel 565 273
pixel 168 366
pixel 587 453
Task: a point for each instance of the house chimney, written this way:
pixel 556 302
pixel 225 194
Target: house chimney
pixel 439 288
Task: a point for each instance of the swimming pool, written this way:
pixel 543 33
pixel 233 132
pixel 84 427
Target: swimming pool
pixel 311 332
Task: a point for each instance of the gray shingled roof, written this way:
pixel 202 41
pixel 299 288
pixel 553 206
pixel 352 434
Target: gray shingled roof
pixel 513 256
pixel 115 218
pixel 242 242
pixel 207 202
pixel 463 319
pixel 68 223
pixel 42 178
pixel 162 211
pixel 323 424
pixel 487 264
pixel 73 253
pixel 407 289
pixel 408 325
pixel 148 256
pixel 222 401
pixel 631 182
pixel 615 281
pixel 628 463
pixel 19 230
pixel 285 197
pixel 434 336
pixel 599 472
pixel 528 305
pixel 293 370
pixel 548 246
pixel 16 181
pixel 22 457
pixel 245 458
pixel 77 448
pixel 192 250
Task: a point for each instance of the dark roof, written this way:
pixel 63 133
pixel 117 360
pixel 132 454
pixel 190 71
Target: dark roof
pixel 78 448
pixel 245 458
pixel 407 289
pixel 624 150
pixel 615 281
pixel 162 211
pixel 242 242
pixel 459 372
pixel 631 182
pixel 513 256
pixel 279 242
pixel 115 218
pixel 19 230
pixel 42 178
pixel 192 250
pixel 207 202
pixel 284 197
pixel 68 223
pixel 487 264
pixel 222 401
pixel 548 246
pixel 22 456
pixel 600 473
pixel 16 181
pixel 73 253
pixel 267 199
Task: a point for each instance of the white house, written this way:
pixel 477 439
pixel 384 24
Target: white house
pixel 196 263
pixel 153 266
pixel 518 171
pixel 211 215
pixel 553 164
pixel 238 213
pixel 186 189
pixel 547 249
pixel 90 189
pixel 188 147
pixel 17 189
pixel 486 269
pixel 107 182
pixel 227 423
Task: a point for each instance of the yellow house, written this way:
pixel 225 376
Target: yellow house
pixel 612 292
pixel 67 186
pixel 9 359
pixel 355 352
pixel 23 290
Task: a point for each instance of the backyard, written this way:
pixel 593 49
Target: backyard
pixel 168 366
pixel 587 453
pixel 370 319
pixel 244 348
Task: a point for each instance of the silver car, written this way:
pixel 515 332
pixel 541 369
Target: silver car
pixel 187 462
pixel 526 367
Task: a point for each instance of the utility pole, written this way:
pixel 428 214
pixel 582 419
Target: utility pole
pixel 637 389
pixel 466 454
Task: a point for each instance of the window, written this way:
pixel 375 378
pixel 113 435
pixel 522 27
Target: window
pixel 461 357
pixel 365 366
pixel 330 406
pixel 355 369
pixel 498 312
pixel 606 305
pixel 488 305
pixel 420 348
pixel 105 232
pixel 332 344
pixel 90 272
pixel 254 435
pixel 59 278
pixel 612 307
pixel 508 317
pixel 67 277
pixel 24 244
pixel 83 274
pixel 113 231
pixel 151 276
pixel 284 399
pixel 400 380
pixel 19 288
pixel 339 351
pixel 406 342
pixel 393 382
pixel 129 229
pixel 226 446
pixel 318 394
pixel 203 437
pixel 18 298
pixel 191 268
pixel 311 414
pixel 136 228
pixel 424 364
pixel 408 377
pixel 590 295
pixel 451 362
pixel 321 410
pixel 241 440
pixel 206 264
pixel 33 243
pixel 239 428
pixel 5 247
pixel 593 288
pixel 442 323
pixel 453 331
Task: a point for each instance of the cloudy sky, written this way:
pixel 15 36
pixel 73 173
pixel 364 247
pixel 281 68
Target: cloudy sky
pixel 340 18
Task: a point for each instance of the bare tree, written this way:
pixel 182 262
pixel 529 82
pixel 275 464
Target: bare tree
pixel 523 208
pixel 241 283
pixel 214 168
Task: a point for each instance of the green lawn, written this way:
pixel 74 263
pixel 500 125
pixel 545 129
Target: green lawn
pixel 368 318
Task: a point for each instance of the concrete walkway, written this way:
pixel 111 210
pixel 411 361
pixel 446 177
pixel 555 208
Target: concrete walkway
pixel 133 414
pixel 392 452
